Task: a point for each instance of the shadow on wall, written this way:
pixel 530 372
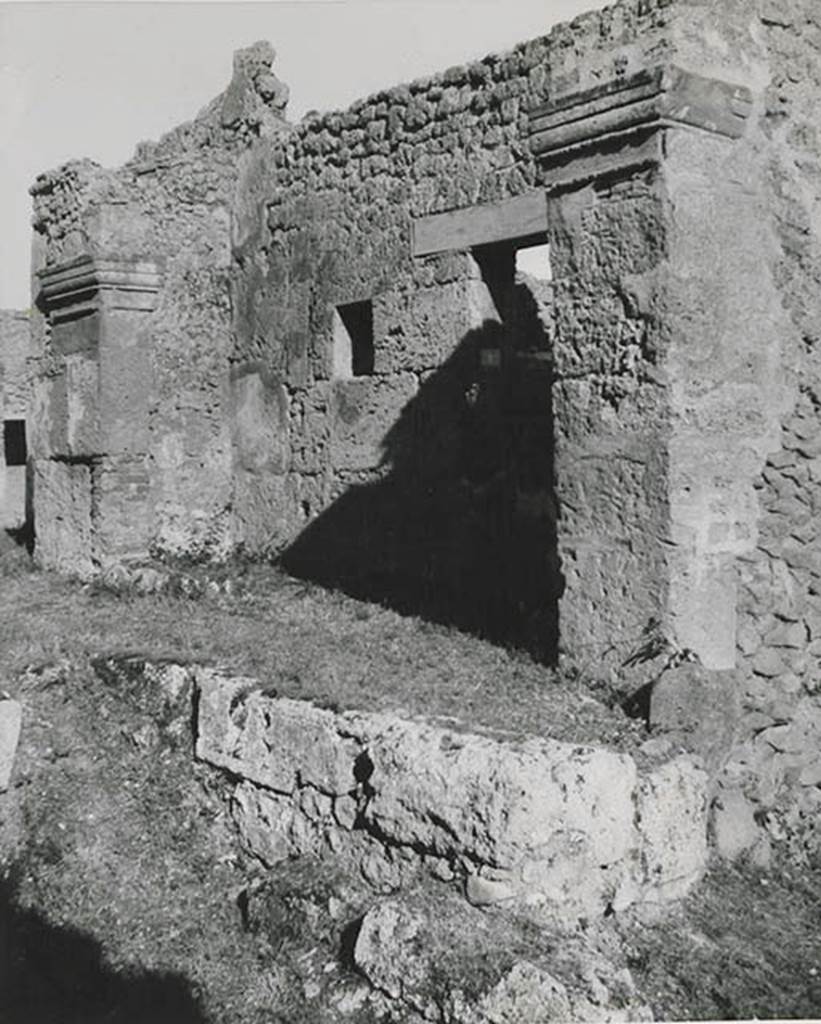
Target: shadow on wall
pixel 51 975
pixel 461 528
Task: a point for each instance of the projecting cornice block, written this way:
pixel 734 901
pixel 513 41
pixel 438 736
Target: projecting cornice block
pixel 628 109
pixel 70 289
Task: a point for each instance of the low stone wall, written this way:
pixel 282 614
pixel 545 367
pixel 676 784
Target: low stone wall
pixel 560 829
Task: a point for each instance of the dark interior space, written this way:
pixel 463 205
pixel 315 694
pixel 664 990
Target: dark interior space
pixel 357 318
pixel 14 442
pixel 461 530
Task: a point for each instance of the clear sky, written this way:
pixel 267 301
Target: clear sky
pixel 93 79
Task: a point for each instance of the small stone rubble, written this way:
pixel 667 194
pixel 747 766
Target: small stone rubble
pixel 774 776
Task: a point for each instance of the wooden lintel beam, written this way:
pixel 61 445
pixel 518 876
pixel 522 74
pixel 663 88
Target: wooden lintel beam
pixel 506 220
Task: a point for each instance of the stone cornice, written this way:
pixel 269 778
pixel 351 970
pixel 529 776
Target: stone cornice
pixel 74 288
pixel 627 112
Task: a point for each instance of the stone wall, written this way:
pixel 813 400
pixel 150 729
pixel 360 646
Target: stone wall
pixel 774 776
pixel 133 440
pixel 554 828
pixel 312 342
pixel 428 481
pixel 15 385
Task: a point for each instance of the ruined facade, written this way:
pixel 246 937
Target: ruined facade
pixel 313 341
pixel 15 387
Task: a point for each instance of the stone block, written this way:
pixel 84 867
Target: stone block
pixel 49 433
pixel 672 823
pixel 698 709
pixel 123 509
pixel 265 822
pixel 529 808
pixel 526 993
pixel 77 335
pixel 12 496
pixel 363 411
pixel 769 662
pixel 451 965
pixel 126 383
pixel 82 406
pixel 275 742
pixel 388 932
pixel 260 423
pixel 422 329
pixel 11 716
pixel 65 538
pixel 533 824
pixel 733 826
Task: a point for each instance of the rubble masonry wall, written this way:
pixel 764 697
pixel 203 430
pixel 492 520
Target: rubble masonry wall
pixel 562 460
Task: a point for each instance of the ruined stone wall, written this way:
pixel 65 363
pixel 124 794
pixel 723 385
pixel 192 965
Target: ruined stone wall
pixel 15 386
pixel 681 351
pixel 536 825
pixel 258 347
pixel 777 767
pixel 133 448
pixel 428 479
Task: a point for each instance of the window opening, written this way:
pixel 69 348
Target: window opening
pixel 353 340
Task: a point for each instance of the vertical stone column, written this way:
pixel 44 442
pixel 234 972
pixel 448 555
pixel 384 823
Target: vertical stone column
pixel 92 400
pixel 666 395
pixel 727 385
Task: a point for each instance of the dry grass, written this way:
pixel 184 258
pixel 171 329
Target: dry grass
pixel 124 904
pixel 744 945
pixel 308 642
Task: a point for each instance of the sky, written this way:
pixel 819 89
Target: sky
pixel 92 79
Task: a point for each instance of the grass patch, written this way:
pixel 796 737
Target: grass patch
pixel 743 945
pixel 306 642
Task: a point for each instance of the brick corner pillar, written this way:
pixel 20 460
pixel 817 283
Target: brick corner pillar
pixel 92 395
pixel 666 392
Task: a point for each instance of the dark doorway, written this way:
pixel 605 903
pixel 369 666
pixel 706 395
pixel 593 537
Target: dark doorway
pixel 462 529
pixel 14 442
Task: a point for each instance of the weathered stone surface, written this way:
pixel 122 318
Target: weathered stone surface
pixel 699 710
pixel 65 538
pixel 672 812
pixel 667 449
pixel 266 823
pixel 389 930
pixel 279 743
pixel 534 824
pixel 500 804
pixel 11 716
pixel 734 829
pixel 362 412
pixel 450 965
pixel 525 993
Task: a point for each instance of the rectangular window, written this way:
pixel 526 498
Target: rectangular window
pixel 353 340
pixel 14 442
